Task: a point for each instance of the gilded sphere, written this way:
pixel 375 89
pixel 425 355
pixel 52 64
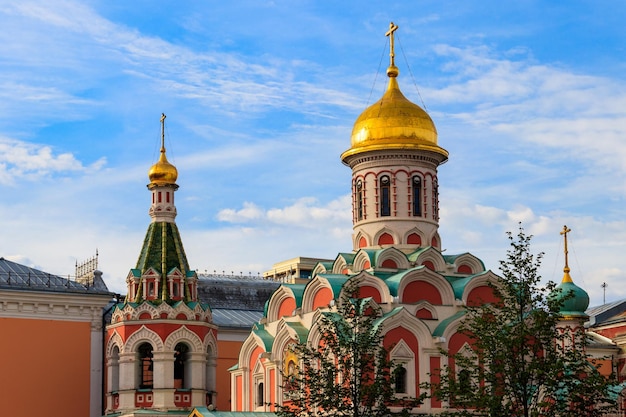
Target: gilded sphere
pixel 163 172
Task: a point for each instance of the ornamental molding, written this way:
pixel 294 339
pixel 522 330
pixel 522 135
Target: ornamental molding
pixel 371 160
pixel 54 306
pixel 161 311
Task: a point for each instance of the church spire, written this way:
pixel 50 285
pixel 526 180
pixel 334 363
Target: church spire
pixel 162 271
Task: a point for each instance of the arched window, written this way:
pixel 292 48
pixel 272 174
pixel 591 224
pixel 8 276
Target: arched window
pixel 464 381
pixel 259 394
pixel 417 196
pixel 180 361
pixel 385 196
pixel 145 366
pixel 435 200
pixel 210 374
pixel 114 377
pixel 359 200
pixel 400 380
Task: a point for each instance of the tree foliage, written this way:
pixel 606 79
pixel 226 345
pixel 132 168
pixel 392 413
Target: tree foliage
pixel 521 363
pixel 349 373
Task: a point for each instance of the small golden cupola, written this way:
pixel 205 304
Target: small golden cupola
pixel 163 172
pixel 393 122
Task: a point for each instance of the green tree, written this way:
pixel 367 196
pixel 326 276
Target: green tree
pixel 349 373
pixel 522 364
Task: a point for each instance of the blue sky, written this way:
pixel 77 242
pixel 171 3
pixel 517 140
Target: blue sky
pixel 529 98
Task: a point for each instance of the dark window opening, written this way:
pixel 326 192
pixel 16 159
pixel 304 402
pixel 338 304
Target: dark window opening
pixel 400 380
pixel 417 196
pixel 180 359
pixel 259 394
pixel 464 381
pixel 435 200
pixel 385 196
pixel 145 366
pixel 359 200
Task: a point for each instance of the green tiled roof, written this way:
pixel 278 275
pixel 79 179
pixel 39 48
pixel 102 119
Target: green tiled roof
pixel 393 281
pixel 162 242
pixel 441 328
pixel 163 251
pixel 298 292
pixel 268 340
pixel 300 330
pixel 413 256
pixel 459 283
pixel 336 282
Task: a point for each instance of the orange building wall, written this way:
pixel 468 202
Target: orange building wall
pixel 44 363
pixel 228 355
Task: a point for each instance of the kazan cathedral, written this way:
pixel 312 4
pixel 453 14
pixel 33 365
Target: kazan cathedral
pixel 396 260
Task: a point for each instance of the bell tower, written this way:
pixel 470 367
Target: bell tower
pixel 161 344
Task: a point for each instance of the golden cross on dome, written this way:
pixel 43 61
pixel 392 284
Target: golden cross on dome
pixel 392 28
pixel 564 232
pixel 163 132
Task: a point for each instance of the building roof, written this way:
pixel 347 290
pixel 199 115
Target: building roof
pixel 230 292
pixel 16 276
pixel 235 319
pixel 606 313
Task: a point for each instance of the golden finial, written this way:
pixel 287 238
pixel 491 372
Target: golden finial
pixel 392 71
pixel 566 276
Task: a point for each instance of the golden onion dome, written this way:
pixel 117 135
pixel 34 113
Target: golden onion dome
pixel 394 122
pixel 163 172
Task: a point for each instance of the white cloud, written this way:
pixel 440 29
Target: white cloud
pixel 247 213
pixel 32 161
pixel 304 213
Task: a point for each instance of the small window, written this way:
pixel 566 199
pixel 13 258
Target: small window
pixel 176 289
pixel 159 197
pixel 167 197
pixel 417 196
pixel 151 289
pixel 400 380
pixel 385 196
pixel 435 200
pixel 259 394
pixel 464 381
pixel 359 200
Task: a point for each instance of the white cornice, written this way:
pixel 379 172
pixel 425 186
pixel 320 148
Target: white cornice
pixel 53 306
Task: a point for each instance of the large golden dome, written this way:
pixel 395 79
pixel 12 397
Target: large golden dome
pixel 163 172
pixel 393 122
